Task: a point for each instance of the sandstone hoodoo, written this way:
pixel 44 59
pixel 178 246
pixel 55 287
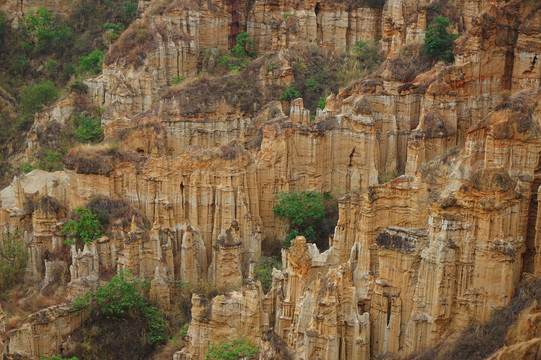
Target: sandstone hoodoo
pixel 270 179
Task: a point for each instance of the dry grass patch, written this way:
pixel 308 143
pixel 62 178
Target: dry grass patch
pixel 98 159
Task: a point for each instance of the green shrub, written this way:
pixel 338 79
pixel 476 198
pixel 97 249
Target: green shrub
pixel 58 358
pixel 32 99
pixel 310 213
pixel 234 64
pixel 51 161
pixel 241 54
pixel 263 270
pixel 290 93
pixel 184 330
pixel 243 47
pixel 79 86
pixel 128 12
pixel 177 80
pixel 122 298
pixel 44 33
pixel 238 348
pixel 86 227
pixel 50 66
pixel 13 260
pixel 304 210
pixel 321 103
pixel 87 128
pixel 114 31
pixel 27 167
pixel 92 63
pixel 439 41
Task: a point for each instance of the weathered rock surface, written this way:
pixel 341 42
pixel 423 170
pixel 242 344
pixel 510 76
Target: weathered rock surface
pixel 44 332
pixel 410 261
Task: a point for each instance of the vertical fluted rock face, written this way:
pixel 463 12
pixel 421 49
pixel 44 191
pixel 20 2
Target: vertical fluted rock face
pixel 327 23
pixel 43 333
pixel 410 261
pixel 403 23
pixel 226 266
pixel 223 318
pixel 178 36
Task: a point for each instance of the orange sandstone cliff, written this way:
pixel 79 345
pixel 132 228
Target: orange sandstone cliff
pixel 412 260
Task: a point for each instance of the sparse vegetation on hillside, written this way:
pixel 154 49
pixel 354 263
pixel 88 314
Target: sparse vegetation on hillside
pixel 44 53
pixel 319 72
pixel 410 62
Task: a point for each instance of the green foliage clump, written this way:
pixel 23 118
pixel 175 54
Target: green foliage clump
pixel 238 348
pixel 87 129
pixel 122 298
pixel 86 227
pixel 52 161
pixel 290 93
pixel 58 358
pixel 27 167
pixel 184 330
pixel 177 80
pixel 439 41
pixel 46 159
pixel 263 270
pixel 241 54
pixel 92 63
pixel 243 47
pixel 33 98
pixel 304 210
pixel 235 65
pixel 50 66
pixel 45 33
pixel 13 260
pixel 79 86
pixel 321 103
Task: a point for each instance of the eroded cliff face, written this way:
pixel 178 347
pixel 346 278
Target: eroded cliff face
pixel 184 38
pixel 410 261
